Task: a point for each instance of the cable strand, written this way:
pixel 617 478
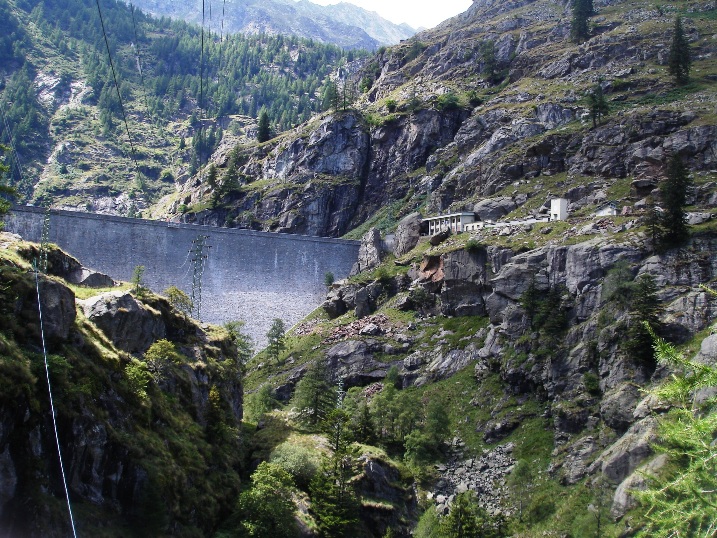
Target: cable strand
pixel 52 403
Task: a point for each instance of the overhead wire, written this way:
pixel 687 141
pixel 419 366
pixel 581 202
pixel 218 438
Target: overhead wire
pixel 13 150
pixel 52 402
pixel 139 62
pixel 119 95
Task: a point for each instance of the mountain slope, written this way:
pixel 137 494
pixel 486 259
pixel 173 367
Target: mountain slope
pixel 493 102
pixel 344 25
pixel 64 115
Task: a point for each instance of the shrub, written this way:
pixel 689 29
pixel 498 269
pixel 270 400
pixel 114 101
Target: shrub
pixel 298 461
pixel 179 300
pixel 138 378
pixel 592 383
pixel 391 105
pixel 473 246
pixel 447 101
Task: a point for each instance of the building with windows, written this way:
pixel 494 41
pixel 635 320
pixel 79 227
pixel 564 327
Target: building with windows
pixel 456 222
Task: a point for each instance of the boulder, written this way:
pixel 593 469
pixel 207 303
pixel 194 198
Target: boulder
pixel 623 499
pixel 623 457
pixel 408 233
pixel 128 323
pixel 440 237
pixel 58 309
pixel 494 208
pixel 370 252
pixel 91 279
pixel 365 299
pixel 618 405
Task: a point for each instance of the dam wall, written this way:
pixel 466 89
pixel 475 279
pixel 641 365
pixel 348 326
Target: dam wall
pixel 248 275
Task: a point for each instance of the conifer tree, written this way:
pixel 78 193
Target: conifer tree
pixel 598 104
pixel 6 190
pixel 313 396
pixel 644 317
pixel 674 190
pixel 264 131
pixel 680 59
pixel 579 28
pixel 275 336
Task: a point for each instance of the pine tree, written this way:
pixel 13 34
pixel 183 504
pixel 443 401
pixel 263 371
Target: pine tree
pixel 674 190
pixel 275 336
pixel 644 317
pixel 598 104
pixel 313 396
pixel 579 28
pixel 680 59
pixel 6 191
pixel 264 131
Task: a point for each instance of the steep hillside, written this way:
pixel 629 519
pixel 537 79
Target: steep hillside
pixel 148 407
pixel 491 103
pixel 342 24
pixel 67 124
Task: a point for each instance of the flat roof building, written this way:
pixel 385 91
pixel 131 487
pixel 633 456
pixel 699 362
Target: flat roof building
pixel 454 221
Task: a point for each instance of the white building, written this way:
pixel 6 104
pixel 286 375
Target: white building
pixel 608 209
pixel 456 222
pixel 558 209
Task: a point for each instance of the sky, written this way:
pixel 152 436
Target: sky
pixel 417 13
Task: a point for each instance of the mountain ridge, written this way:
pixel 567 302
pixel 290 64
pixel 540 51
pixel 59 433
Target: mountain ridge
pixel 343 24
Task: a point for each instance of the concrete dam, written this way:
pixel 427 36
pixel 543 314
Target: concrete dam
pixel 248 275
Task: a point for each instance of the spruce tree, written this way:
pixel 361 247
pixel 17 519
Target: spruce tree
pixel 644 317
pixel 680 59
pixel 275 336
pixel 579 28
pixel 674 191
pixel 313 396
pixel 264 131
pixel 598 104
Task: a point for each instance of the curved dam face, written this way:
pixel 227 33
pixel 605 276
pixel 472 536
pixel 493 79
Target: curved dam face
pixel 247 275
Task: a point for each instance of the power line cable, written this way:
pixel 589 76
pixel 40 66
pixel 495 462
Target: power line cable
pixel 139 62
pixel 119 95
pixel 52 403
pixel 13 151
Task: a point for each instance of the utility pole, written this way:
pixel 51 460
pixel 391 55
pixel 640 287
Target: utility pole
pixel 200 253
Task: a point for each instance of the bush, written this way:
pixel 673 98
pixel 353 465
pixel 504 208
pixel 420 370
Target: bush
pixel 592 383
pixel 391 105
pixel 138 378
pixel 447 101
pixel 473 246
pixel 298 461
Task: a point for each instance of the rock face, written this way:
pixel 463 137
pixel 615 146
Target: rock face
pixel 408 232
pixel 99 407
pixel 370 252
pixel 494 208
pixel 128 323
pixel 58 309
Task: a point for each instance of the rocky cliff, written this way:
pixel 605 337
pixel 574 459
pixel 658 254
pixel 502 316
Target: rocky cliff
pixel 489 104
pixel 571 370
pixel 147 402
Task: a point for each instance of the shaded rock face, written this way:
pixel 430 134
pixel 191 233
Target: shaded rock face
pixel 129 324
pixel 464 283
pixel 379 480
pixel 58 309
